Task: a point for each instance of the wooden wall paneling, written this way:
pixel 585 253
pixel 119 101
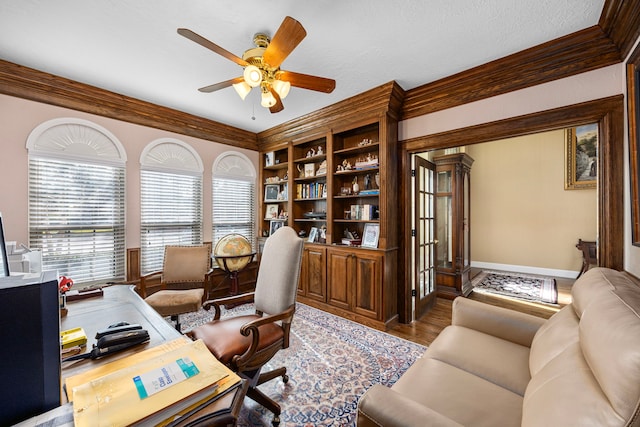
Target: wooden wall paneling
pixel 28 83
pixel 133 265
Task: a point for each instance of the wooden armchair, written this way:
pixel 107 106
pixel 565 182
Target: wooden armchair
pixel 245 343
pixel 184 281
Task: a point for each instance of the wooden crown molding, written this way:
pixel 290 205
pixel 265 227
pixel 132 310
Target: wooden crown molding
pixel 576 53
pixel 384 99
pixel 28 83
pixel 620 21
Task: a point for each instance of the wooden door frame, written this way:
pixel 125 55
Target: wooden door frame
pixel 607 112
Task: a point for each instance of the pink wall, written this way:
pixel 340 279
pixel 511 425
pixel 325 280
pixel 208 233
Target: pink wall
pixel 18 117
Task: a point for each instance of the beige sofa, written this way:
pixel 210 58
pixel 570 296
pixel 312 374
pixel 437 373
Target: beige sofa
pixel 496 367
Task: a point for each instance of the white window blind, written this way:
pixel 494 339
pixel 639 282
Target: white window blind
pixel 171 214
pixel 233 208
pixel 76 217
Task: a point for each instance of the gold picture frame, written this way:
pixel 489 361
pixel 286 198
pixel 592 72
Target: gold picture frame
pixel 633 116
pixel 581 157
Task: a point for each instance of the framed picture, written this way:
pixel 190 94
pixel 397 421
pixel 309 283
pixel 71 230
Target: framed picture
pixel 313 235
pixel 309 170
pixel 370 235
pixel 269 159
pixel 633 118
pixel 274 225
pixel 581 154
pixel 271 192
pixel 271 212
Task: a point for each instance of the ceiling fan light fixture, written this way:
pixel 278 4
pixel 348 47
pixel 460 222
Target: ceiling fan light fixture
pixel 242 89
pixel 268 100
pixel 252 75
pixel 282 88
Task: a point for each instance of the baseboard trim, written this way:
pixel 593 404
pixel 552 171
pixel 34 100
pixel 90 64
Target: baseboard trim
pixel 568 274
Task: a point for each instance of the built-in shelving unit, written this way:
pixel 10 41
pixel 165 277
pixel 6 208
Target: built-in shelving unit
pixel 340 176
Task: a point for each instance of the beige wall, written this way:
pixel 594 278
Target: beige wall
pixel 18 117
pixel 521 214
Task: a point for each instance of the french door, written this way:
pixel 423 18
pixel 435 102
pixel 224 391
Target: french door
pixel 423 231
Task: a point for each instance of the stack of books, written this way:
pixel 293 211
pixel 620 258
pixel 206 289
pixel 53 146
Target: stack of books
pixel 351 242
pixel 153 387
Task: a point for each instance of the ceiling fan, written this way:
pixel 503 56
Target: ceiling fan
pixel 262 66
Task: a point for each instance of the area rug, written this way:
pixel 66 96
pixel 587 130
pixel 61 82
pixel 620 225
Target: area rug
pixel 331 362
pixel 516 285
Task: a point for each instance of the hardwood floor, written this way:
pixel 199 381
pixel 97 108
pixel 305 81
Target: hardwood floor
pixel 426 329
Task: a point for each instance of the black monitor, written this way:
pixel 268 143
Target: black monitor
pixel 4 268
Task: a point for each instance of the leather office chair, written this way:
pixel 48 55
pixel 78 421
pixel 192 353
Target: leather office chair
pixel 245 343
pixel 184 281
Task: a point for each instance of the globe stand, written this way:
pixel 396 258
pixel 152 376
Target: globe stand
pixel 227 264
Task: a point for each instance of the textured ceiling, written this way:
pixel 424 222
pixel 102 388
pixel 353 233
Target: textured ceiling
pixel 131 46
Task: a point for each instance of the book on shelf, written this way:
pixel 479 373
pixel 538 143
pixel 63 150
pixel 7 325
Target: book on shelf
pixel 151 387
pixel 351 242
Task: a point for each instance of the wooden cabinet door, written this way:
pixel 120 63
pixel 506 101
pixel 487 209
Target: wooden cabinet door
pixel 368 284
pixel 315 272
pixel 340 267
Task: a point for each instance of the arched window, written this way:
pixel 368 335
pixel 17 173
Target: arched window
pixel 77 199
pixel 234 183
pixel 170 199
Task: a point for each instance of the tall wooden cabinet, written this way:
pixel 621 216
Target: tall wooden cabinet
pixel 453 229
pixel 341 177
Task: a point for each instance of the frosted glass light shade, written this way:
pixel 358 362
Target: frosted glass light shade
pixel 282 88
pixel 267 100
pixel 242 89
pixel 252 75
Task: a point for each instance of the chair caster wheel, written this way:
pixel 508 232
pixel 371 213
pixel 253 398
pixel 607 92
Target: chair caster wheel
pixel 276 421
pixel 285 378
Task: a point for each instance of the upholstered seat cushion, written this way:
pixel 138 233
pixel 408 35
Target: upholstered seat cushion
pixel 224 340
pixel 459 395
pixel 501 362
pixel 170 303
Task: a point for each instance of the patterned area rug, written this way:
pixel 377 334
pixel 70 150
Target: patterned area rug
pixel 516 285
pixel 331 362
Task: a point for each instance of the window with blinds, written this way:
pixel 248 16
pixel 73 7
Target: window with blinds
pixel 171 214
pixel 76 218
pixel 233 208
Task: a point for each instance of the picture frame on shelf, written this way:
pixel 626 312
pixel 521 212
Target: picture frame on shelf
pixel 581 169
pixel 370 235
pixel 271 192
pixel 274 224
pixel 313 235
pixel 269 159
pixel 309 170
pixel 271 211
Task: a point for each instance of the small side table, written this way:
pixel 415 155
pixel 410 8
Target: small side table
pixel 589 254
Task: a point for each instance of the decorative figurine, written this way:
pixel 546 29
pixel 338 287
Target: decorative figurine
pixel 356 187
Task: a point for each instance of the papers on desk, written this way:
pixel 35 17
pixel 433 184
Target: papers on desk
pixel 111 394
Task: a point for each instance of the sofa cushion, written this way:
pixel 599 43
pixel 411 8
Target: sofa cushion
pixel 463 397
pixel 559 332
pixel 499 361
pixel 565 393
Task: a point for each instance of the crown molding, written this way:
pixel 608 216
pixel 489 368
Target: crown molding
pixel 28 83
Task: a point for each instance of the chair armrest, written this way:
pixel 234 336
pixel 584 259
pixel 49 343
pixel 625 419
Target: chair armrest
pixel 143 282
pixel 500 322
pixel 382 406
pixel 252 329
pixel 230 300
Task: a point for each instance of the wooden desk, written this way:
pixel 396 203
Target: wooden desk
pixel 121 303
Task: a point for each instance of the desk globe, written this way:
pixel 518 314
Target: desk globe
pixel 232 253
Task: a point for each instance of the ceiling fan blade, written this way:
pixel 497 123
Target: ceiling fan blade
pixel 221 85
pixel 305 81
pixel 288 36
pixel 211 46
pixel 278 106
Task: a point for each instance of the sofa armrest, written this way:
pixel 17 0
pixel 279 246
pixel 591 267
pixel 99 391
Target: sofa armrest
pixel 510 325
pixel 382 406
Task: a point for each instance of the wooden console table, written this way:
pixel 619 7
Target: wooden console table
pixel 121 303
